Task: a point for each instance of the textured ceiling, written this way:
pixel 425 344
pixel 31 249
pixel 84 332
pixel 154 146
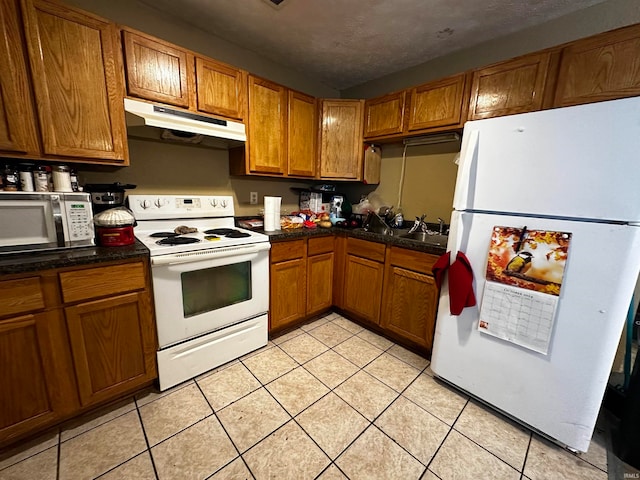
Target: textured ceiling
pixel 344 43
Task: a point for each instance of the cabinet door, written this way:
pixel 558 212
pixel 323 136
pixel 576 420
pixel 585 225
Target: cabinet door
pixel 436 104
pixel 409 305
pixel 113 345
pixel 384 115
pixel 35 368
pixel 157 70
pixel 18 131
pixel 302 132
pixel 603 67
pixel 341 139
pixel 319 282
pixel 288 292
pixel 515 86
pixel 77 80
pixel 363 288
pixel 267 126
pixel 221 89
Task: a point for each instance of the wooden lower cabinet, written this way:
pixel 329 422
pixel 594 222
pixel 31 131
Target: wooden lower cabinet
pixel 288 283
pixel 288 289
pixel 301 280
pixel 363 288
pixel 58 357
pixel 320 263
pixel 410 298
pixel 390 288
pixel 112 341
pixel 35 368
pixel 363 278
pixel 319 285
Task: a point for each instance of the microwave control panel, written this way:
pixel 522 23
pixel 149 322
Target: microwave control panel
pixel 79 220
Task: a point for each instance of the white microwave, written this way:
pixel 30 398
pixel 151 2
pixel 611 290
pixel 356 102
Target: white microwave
pixel 32 221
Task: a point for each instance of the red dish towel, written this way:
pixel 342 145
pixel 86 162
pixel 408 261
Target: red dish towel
pixel 460 281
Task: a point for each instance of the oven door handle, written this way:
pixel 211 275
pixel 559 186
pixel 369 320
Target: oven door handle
pixel 200 255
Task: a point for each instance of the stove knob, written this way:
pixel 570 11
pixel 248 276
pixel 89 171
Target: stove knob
pixel 213 202
pixel 224 204
pixel 144 204
pixel 159 203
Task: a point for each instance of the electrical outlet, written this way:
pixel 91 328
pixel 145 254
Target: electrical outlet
pixel 253 198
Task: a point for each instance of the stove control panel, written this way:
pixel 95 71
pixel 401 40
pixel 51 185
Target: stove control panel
pixel 152 207
pixel 188 203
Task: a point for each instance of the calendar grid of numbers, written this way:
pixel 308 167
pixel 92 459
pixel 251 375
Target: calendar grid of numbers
pixel 524 276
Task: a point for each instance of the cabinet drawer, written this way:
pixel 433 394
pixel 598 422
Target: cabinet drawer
pixel 412 260
pixel 102 281
pixel 363 248
pixel 320 245
pixel 290 250
pixel 21 296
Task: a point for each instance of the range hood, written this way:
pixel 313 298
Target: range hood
pixel 142 113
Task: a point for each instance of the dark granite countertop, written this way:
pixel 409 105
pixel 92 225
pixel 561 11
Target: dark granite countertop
pixel 281 235
pixel 34 261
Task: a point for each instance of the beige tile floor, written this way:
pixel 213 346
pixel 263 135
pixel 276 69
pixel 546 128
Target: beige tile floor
pixel 329 400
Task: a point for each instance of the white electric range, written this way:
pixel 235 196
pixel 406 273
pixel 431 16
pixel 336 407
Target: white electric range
pixel 211 285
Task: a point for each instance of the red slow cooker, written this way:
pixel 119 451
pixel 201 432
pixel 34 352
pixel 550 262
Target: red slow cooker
pixel 114 227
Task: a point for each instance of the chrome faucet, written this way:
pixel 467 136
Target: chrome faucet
pixel 419 225
pixel 440 225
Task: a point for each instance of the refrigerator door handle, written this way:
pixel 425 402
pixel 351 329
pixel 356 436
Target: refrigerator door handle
pixel 468 159
pixel 455 237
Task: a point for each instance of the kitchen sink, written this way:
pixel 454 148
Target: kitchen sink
pixel 431 239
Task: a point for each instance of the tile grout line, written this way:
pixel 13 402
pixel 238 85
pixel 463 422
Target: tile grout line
pixel 226 433
pixel 526 455
pixel 146 439
pixel 59 445
pixel 400 394
pixel 485 448
pixel 292 418
pixel 435 454
pixel 361 369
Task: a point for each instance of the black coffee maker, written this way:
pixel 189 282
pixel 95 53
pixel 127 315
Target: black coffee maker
pixel 107 195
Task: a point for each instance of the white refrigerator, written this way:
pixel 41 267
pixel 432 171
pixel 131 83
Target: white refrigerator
pixel 574 170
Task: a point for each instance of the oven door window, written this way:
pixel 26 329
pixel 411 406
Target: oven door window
pixel 213 288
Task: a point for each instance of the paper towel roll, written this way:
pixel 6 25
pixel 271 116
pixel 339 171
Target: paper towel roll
pixel 272 213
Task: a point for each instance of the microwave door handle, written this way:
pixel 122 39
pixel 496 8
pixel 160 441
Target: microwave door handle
pixel 57 219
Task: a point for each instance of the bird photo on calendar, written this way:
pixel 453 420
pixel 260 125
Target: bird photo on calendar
pixel 530 259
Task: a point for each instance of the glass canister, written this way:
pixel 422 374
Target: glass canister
pixel 10 177
pixel 41 179
pixel 61 178
pixel 26 177
pixel 75 186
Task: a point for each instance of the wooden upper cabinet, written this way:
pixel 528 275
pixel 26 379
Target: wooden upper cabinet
pixel 341 139
pixel 267 126
pixel 221 89
pixel 602 67
pixel 301 134
pixel 77 80
pixel 158 71
pixel 384 115
pixel 18 131
pixel 436 104
pixel 514 86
